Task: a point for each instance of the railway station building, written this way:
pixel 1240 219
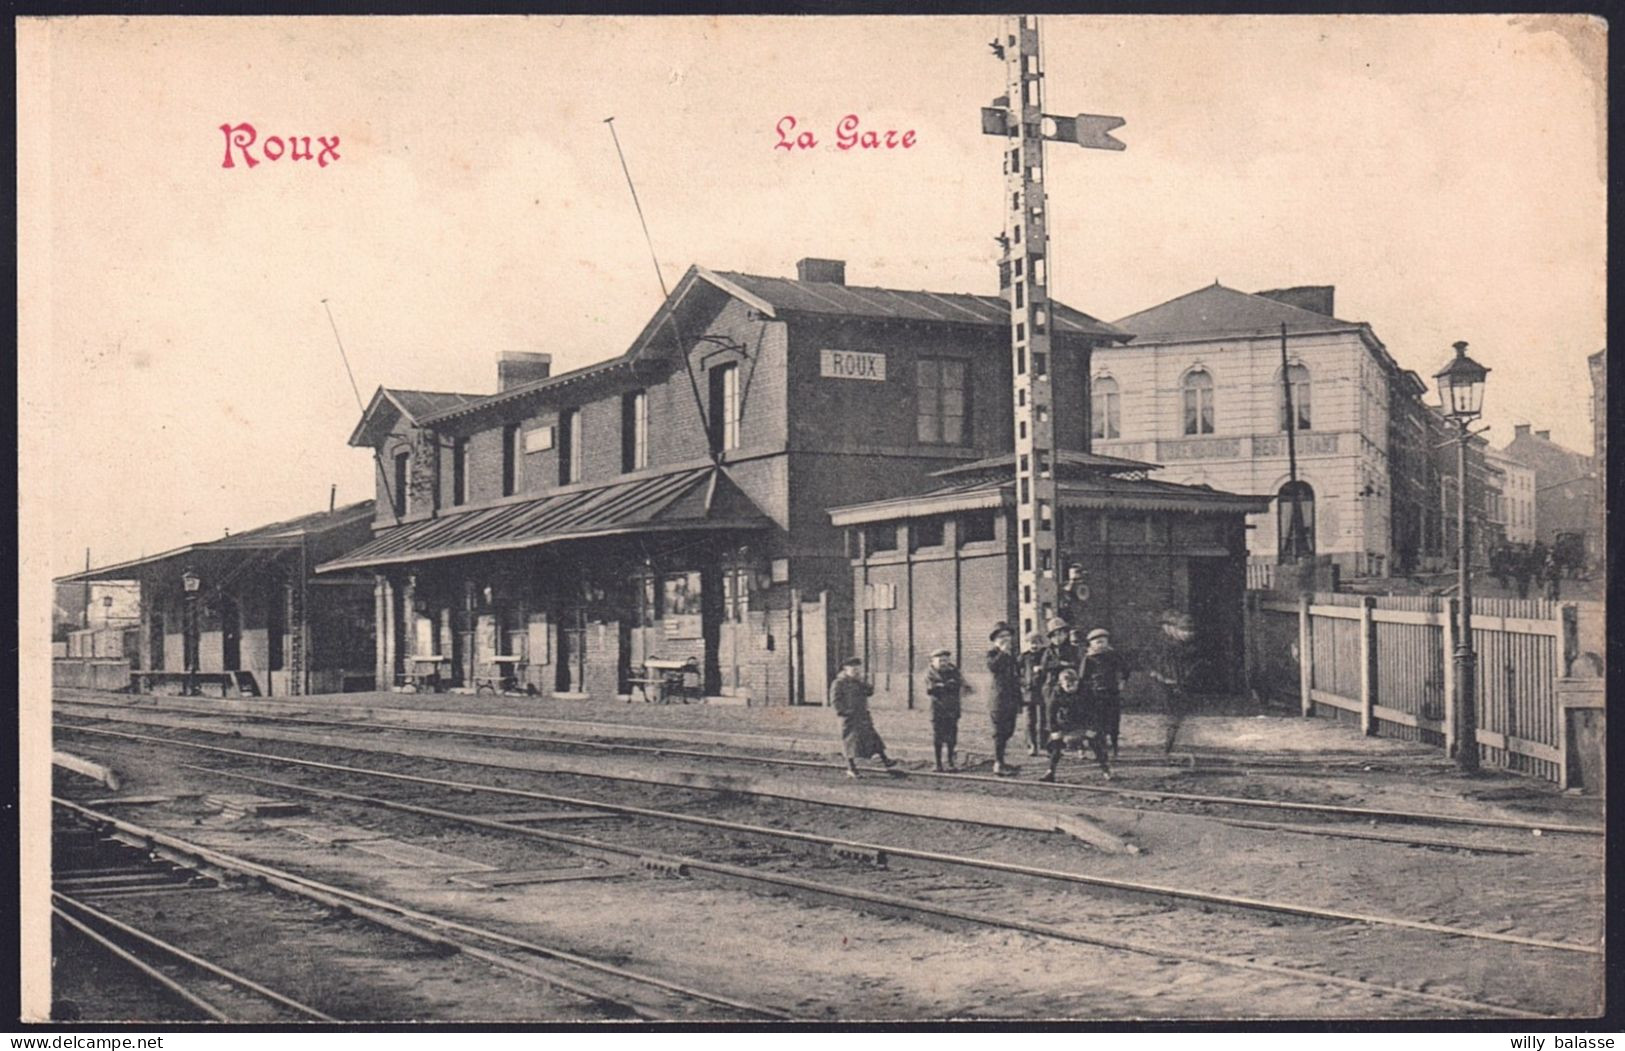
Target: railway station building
pixel 569 533
pixel 245 614
pixel 938 569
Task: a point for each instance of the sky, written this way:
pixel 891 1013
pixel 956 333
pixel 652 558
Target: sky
pixel 1446 173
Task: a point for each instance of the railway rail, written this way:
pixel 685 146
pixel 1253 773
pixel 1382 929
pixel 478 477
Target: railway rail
pixel 444 934
pixel 1123 792
pixel 688 865
pixel 432 926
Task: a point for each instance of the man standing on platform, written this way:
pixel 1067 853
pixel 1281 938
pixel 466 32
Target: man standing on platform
pixel 1005 704
pixel 1176 671
pixel 849 696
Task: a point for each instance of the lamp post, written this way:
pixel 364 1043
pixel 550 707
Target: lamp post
pixel 191 582
pixel 1461 396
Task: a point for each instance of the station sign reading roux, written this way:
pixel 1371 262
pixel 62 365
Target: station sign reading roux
pixel 852 365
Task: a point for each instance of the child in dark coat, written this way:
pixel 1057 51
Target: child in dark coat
pixel 1073 723
pixel 944 685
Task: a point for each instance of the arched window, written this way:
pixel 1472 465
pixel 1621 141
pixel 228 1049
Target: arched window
pixel 1304 509
pixel 1198 397
pixel 1105 409
pixel 1297 384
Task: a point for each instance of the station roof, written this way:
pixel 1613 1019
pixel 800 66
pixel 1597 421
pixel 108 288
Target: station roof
pixel 700 498
pixel 1067 463
pixel 1095 491
pixel 700 290
pixel 285 534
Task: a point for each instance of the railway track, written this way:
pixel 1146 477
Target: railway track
pixel 861 848
pixel 880 854
pixel 614 992
pixel 1145 798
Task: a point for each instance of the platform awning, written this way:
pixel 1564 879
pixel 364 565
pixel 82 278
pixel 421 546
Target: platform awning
pixel 698 499
pixel 1100 492
pixel 257 542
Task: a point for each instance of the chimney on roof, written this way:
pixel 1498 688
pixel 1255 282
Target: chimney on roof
pixel 1544 436
pixel 828 271
pixel 1316 298
pixel 1520 430
pixel 516 368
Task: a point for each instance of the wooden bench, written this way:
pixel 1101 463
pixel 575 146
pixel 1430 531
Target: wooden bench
pixel 502 674
pixel 424 673
pixel 670 678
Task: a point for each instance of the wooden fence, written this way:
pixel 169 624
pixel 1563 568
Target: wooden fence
pixel 1387 662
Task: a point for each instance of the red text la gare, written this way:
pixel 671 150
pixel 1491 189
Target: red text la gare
pixel 848 136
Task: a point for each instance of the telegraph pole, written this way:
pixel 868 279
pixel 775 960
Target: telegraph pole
pixel 1019 116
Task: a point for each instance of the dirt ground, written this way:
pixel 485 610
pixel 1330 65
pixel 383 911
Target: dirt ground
pixel 871 967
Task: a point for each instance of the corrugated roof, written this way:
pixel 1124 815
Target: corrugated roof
pixel 668 501
pixel 420 403
pixel 822 297
pixel 773 294
pixel 1098 491
pixel 274 535
pixel 1217 310
pixel 525 390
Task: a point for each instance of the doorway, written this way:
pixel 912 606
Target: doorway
pixel 571 674
pixel 231 634
pixel 1215 607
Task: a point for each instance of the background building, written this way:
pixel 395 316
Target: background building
pixel 1515 500
pixel 257 622
pixel 1566 491
pixel 1200 390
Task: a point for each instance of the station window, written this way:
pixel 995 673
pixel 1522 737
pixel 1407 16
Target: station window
pixel 940 401
pixel 569 446
pixel 1105 409
pixel 459 472
pixel 976 527
pixel 925 532
pixel 403 461
pixel 882 537
pixel 634 431
pixel 510 459
pixel 724 406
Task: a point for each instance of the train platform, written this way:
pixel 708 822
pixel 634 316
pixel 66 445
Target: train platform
pixel 1223 727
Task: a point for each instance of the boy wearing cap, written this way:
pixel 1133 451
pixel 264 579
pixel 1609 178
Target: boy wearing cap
pixel 1032 689
pixel 1006 701
pixel 1072 723
pixel 849 696
pixel 1104 673
pixel 1060 653
pixel 944 684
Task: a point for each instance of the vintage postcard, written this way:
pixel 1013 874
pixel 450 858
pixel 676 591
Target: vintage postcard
pixel 812 519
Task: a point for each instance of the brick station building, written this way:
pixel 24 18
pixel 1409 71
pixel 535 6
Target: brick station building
pixel 938 568
pixel 671 502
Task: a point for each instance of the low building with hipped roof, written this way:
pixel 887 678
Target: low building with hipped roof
pixel 939 567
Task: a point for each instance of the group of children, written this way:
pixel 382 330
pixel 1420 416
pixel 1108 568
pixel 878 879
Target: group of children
pixel 1069 684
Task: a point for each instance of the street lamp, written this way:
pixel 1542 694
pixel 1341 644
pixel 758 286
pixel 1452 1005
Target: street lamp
pixel 191 582
pixel 1461 397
